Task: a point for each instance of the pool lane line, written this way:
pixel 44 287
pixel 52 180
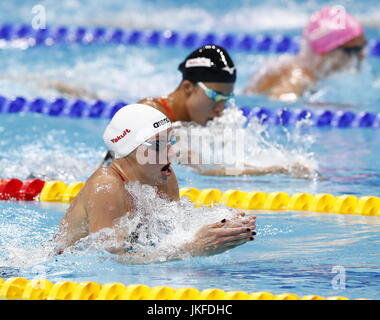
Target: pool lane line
pixel 43 289
pixel 63 35
pixel 79 108
pixel 59 191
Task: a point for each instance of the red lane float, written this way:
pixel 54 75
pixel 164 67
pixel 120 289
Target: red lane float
pixel 9 188
pixel 15 189
pixel 30 189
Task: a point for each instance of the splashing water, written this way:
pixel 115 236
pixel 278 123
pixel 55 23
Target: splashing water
pixel 53 156
pixel 153 232
pixel 156 225
pixel 36 161
pixel 259 147
pixel 23 238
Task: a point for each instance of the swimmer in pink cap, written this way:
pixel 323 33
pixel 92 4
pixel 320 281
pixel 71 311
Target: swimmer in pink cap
pixel 332 41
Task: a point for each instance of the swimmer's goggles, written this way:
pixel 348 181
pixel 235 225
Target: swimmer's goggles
pixel 353 50
pixel 159 145
pixel 214 95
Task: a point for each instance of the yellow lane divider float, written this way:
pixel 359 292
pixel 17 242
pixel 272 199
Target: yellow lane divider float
pixel 42 289
pixel 257 200
pixel 58 191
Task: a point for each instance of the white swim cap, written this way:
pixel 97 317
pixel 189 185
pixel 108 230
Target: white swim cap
pixel 132 125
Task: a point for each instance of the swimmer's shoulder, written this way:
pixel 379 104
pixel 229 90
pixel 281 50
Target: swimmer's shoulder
pixel 266 78
pixel 286 84
pixel 105 180
pixel 106 186
pixel 274 75
pixel 155 103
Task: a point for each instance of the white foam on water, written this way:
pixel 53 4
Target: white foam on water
pixel 240 16
pixel 23 235
pixel 157 225
pixel 38 161
pixel 109 73
pixel 262 148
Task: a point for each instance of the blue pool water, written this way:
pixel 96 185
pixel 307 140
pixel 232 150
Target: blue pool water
pixel 293 252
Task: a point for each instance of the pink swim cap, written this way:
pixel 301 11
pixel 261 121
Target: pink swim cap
pixel 331 27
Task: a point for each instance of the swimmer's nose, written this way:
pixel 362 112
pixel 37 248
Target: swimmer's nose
pixel 218 109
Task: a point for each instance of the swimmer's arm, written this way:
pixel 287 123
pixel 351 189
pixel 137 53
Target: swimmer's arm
pixel 250 171
pixel 292 86
pixel 297 170
pixel 105 203
pixel 262 83
pixel 209 240
pixel 246 170
pixel 285 84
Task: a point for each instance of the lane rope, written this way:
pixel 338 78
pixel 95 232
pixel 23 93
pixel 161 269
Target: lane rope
pixel 78 108
pixel 59 191
pixel 53 35
pixel 43 289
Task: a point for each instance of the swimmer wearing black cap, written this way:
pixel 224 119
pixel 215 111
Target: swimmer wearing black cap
pixel 208 79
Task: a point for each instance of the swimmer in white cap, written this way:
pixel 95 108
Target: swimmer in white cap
pixel 208 79
pixel 139 132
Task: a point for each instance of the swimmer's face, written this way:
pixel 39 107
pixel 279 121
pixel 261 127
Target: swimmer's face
pixel 153 158
pixel 350 54
pixel 355 47
pixel 200 107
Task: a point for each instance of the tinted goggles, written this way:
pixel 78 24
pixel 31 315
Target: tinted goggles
pixel 214 95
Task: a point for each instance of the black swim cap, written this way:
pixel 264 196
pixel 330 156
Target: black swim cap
pixel 209 63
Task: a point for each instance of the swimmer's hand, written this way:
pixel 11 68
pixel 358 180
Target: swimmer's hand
pixel 298 170
pixel 209 240
pixel 219 237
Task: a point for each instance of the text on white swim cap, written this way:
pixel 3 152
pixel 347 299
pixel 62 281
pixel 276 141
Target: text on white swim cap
pixel 161 122
pixel 114 140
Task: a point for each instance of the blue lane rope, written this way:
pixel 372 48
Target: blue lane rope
pixel 78 108
pixel 101 35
